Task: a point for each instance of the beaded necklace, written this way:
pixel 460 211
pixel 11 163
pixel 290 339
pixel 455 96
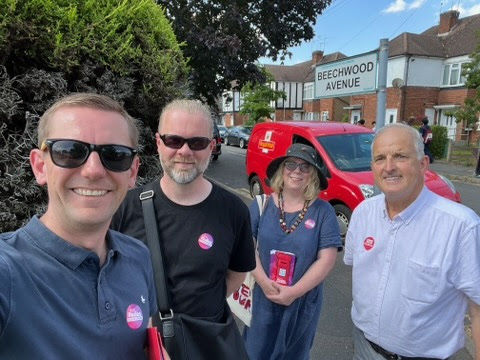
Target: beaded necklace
pixel 300 217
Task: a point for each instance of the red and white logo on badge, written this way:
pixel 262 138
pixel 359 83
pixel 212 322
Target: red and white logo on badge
pixel 309 224
pixel 205 241
pixel 134 317
pixel 368 243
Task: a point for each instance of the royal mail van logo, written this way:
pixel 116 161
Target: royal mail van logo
pixel 266 145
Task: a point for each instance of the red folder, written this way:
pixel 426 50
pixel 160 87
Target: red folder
pixel 155 350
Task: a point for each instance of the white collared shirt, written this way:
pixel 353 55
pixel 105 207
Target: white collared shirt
pixel 412 274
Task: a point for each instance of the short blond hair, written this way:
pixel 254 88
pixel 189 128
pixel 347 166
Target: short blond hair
pixel 87 100
pixel 194 107
pixel 310 192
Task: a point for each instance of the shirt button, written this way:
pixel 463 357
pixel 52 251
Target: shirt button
pixel 108 305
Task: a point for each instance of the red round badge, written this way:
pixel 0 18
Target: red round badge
pixel 368 243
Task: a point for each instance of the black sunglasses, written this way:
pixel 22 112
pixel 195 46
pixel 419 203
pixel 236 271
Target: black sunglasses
pixel 292 165
pixel 73 153
pixel 194 143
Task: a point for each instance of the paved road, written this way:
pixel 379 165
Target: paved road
pixel 333 338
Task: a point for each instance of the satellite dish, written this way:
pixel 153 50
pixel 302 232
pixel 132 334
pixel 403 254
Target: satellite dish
pixel 397 83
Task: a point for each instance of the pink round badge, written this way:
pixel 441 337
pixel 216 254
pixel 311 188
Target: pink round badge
pixel 368 243
pixel 134 317
pixel 205 241
pixel 309 224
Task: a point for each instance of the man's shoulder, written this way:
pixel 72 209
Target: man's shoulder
pixel 9 255
pixel 374 203
pixel 220 192
pixel 128 244
pixel 439 204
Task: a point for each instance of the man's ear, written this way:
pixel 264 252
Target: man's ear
pixel 133 172
pixel 38 165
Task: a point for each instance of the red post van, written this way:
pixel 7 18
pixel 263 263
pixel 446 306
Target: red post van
pixel 343 151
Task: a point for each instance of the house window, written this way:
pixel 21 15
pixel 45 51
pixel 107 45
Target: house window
pixel 310 116
pixel 452 75
pixel 308 91
pixel 324 115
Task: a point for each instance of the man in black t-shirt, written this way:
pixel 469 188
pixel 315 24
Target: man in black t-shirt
pixel 204 230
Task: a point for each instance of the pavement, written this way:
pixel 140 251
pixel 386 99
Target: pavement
pixel 456 172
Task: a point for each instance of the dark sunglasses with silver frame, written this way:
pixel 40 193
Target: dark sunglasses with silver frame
pixel 70 154
pixel 292 165
pixel 196 143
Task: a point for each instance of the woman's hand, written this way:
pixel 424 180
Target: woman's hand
pixel 268 287
pixel 285 295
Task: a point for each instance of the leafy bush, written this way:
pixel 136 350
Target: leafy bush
pixel 126 50
pixel 439 143
pixel 128 43
pixel 21 197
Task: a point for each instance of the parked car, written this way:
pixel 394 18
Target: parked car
pixel 344 153
pixel 223 130
pixel 238 135
pixel 217 150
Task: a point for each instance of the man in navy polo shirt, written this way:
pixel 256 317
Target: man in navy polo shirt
pixel 69 286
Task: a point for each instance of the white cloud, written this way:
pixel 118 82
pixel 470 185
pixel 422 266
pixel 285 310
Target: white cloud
pixel 416 4
pixel 397 6
pixel 401 5
pixel 472 10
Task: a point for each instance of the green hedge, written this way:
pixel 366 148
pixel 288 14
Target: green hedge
pixel 440 141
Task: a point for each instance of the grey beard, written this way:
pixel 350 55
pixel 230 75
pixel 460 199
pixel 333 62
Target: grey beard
pixel 183 177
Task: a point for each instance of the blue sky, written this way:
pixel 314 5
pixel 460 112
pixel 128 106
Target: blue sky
pixel 356 26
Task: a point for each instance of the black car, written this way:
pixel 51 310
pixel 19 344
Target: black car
pixel 217 150
pixel 238 135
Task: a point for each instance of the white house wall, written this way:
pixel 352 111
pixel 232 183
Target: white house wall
pixel 294 92
pixel 426 72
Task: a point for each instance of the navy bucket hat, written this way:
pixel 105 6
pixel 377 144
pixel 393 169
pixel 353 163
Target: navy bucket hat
pixel 300 151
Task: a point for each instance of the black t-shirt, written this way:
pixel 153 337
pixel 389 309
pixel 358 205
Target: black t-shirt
pixel 199 242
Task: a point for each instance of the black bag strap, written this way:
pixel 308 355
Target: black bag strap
pixel 153 244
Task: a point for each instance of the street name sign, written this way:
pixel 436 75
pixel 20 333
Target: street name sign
pixel 353 75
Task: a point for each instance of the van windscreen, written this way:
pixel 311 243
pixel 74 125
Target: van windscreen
pixel 349 152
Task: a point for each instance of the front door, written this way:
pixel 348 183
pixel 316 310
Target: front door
pixel 355 116
pixel 390 116
pixel 449 122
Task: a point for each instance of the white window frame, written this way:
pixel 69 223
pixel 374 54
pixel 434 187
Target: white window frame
pixel 453 69
pixel 324 116
pixel 308 89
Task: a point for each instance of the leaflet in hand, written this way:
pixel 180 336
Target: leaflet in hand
pixel 282 265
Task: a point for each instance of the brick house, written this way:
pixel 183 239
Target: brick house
pixel 424 76
pixel 423 79
pixel 297 82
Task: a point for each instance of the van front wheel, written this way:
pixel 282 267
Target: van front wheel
pixel 255 186
pixel 343 217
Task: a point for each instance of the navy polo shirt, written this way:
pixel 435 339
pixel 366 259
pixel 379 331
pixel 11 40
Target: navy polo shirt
pixel 56 301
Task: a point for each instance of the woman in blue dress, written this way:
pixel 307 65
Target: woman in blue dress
pixel 304 229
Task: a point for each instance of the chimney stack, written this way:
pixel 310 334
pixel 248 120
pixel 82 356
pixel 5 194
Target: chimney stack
pixel 317 56
pixel 447 21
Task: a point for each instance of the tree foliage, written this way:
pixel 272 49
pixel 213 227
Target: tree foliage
pixel 224 39
pixel 125 49
pixel 471 71
pixel 257 99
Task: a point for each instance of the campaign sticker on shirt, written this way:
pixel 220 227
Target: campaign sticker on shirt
pixel 134 316
pixel 310 224
pixel 205 241
pixel 368 243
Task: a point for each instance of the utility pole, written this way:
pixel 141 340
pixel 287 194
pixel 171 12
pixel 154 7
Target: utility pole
pixel 382 83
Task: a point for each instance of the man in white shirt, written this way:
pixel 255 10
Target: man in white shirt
pixel 415 258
